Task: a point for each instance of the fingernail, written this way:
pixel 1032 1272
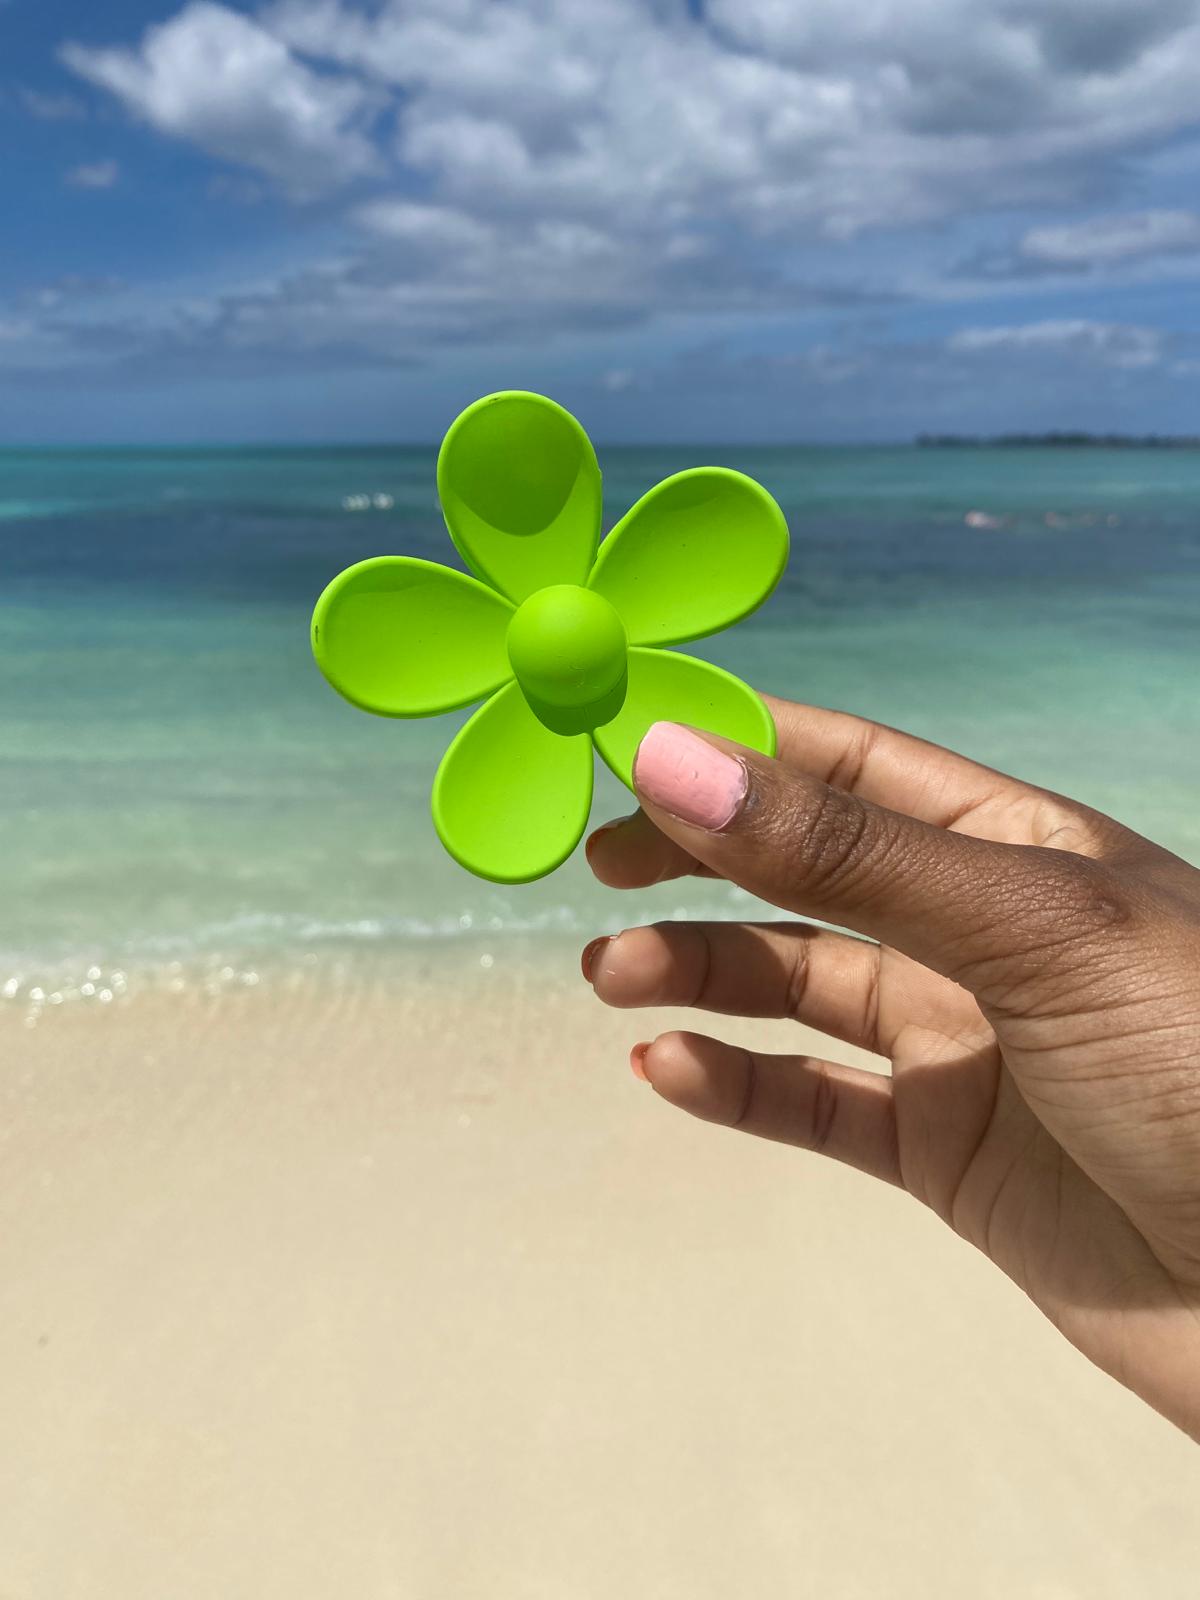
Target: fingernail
pixel 609 827
pixel 587 960
pixel 679 771
pixel 637 1060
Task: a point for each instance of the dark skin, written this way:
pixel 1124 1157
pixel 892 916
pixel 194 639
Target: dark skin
pixel 1032 975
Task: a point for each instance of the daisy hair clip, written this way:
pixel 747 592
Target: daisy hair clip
pixel 565 639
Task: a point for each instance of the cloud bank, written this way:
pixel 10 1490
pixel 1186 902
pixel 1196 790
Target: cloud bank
pixel 523 170
pixel 217 79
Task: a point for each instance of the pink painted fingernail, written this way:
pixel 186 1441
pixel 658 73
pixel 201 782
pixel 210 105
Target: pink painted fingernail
pixel 637 1060
pixel 684 774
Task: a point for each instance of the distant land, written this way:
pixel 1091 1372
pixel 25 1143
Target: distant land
pixel 1057 441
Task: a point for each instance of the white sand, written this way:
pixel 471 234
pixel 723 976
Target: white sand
pixel 422 1295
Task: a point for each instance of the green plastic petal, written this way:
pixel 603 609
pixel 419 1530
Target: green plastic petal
pixel 520 491
pixel 409 638
pixel 511 799
pixel 698 553
pixel 665 687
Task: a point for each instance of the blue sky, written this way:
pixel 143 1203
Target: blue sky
pixel 686 219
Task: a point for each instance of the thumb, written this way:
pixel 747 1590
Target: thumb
pixel 986 915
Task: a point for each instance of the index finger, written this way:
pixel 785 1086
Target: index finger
pixel 888 768
pixel 986 915
pixel 910 775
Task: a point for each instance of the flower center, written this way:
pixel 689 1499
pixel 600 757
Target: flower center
pixel 568 649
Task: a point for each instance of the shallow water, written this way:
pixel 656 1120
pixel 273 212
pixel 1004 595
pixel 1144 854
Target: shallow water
pixel 185 802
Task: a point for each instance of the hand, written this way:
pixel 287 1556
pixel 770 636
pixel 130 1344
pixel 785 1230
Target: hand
pixel 1035 985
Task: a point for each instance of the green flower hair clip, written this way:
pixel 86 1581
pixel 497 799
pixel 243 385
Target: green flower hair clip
pixel 564 636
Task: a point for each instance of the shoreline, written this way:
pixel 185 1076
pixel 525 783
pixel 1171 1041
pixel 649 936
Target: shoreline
pixel 43 994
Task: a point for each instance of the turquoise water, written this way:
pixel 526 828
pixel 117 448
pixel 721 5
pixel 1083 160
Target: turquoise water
pixel 180 791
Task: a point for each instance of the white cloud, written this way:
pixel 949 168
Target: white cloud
pixel 423 226
pixel 236 187
pixel 93 175
pixel 52 107
pixel 971 104
pixel 617 379
pixel 788 122
pixel 216 78
pixel 1104 241
pixel 820 119
pixel 610 110
pixel 1111 344
pixel 71 288
pixel 1071 37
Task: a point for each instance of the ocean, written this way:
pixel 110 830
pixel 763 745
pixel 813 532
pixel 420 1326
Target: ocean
pixel 185 802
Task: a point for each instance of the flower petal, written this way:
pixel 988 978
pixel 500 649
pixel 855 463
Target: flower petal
pixel 511 799
pixel 666 687
pixel 520 491
pixel 409 638
pixel 696 554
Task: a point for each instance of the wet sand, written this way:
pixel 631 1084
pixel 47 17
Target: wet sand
pixel 408 1289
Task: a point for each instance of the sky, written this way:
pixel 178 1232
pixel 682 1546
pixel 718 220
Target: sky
pixel 725 220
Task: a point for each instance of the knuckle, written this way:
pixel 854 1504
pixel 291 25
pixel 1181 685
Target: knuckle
pixel 1066 826
pixel 692 952
pixel 824 838
pixel 1085 899
pixel 1061 929
pixel 799 972
pixel 1054 900
pixel 869 1025
pixel 744 1109
pixel 824 1107
pixel 851 764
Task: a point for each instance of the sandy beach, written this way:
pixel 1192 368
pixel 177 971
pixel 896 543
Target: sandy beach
pixel 405 1287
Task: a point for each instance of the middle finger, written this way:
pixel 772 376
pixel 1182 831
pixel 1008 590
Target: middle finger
pixel 827 980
